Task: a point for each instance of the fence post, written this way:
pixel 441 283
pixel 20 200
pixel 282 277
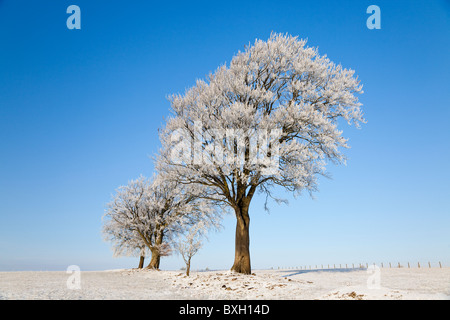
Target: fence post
pixel 418 265
pixel 440 266
pixel 429 265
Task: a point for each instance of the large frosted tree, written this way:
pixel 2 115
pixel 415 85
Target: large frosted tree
pixel 269 118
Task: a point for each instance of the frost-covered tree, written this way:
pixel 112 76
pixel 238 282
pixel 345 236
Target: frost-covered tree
pixel 128 221
pixel 269 118
pixel 124 237
pixel 191 241
pixel 147 214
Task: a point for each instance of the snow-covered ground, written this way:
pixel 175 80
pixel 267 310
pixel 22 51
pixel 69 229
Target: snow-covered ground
pixel 395 283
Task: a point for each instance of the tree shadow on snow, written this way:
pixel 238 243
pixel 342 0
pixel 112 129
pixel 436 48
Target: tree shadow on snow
pixel 291 273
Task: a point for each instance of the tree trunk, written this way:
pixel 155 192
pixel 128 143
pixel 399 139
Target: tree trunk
pixel 156 253
pixel 141 262
pixel 242 241
pixel 154 261
pixel 188 267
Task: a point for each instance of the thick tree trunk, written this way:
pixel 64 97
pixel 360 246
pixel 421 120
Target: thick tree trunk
pixel 141 262
pixel 154 261
pixel 156 253
pixel 242 241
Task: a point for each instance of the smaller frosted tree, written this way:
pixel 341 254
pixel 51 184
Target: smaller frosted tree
pixel 145 215
pixel 191 241
pixel 124 237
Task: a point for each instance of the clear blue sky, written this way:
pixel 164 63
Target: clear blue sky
pixel 80 110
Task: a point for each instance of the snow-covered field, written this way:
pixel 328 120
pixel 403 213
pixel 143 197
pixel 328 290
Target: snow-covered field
pixel 392 284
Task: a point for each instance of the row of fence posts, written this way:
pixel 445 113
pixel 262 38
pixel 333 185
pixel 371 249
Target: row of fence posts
pixel 361 266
